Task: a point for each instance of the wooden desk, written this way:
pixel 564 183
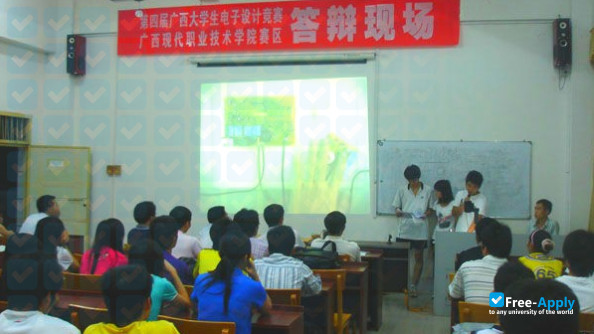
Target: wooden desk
pixel 395 268
pixel 356 291
pixel 283 319
pixel 319 310
pixel 375 260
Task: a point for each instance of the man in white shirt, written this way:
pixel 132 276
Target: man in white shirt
pixel 46 206
pixel 411 203
pixel 29 298
pixel 578 251
pixel 280 270
pixel 214 214
pixel 474 280
pixel 335 223
pixel 541 220
pixel 274 215
pixel 187 246
pixel 470 203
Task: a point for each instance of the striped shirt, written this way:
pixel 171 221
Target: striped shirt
pixel 279 271
pixel 259 248
pixel 474 279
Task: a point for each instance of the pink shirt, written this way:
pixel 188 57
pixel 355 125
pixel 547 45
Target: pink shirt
pixel 108 258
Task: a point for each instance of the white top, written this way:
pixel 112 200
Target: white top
pixel 204 237
pixel 278 271
pixel 474 280
pixel 186 246
pixel 64 257
pixel 410 227
pixel 29 322
pixel 444 215
pixel 298 241
pixel 583 287
pixel 466 218
pixel 30 223
pixel 343 247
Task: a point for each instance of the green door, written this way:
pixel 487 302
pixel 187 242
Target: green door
pixel 62 172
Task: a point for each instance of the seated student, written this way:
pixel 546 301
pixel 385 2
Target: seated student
pixel 30 296
pixel 474 253
pixel 47 206
pixel 52 237
pixel 543 265
pixel 541 220
pixel 164 233
pixel 540 323
pixel 280 270
pixel 214 214
pixel 187 246
pixel 335 223
pixel 474 280
pixel 249 222
pixel 578 251
pixel 209 258
pixel 144 213
pixel 107 251
pixel 470 201
pixel 150 256
pixel 509 273
pixel 226 294
pixel 127 294
pixel 274 215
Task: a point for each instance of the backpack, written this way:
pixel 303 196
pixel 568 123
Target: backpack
pixel 319 258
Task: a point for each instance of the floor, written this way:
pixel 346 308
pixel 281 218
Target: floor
pixel 397 319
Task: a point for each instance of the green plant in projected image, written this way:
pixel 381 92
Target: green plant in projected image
pixel 266 120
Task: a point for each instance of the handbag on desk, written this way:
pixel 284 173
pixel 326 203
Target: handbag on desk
pixel 319 258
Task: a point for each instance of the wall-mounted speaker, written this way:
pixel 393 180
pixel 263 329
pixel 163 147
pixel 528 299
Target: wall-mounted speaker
pixel 562 43
pixel 76 51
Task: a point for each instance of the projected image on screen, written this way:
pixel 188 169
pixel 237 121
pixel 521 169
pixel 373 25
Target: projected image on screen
pixel 301 143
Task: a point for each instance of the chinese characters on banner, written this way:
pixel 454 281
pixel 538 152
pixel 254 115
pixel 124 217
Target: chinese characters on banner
pixel 295 25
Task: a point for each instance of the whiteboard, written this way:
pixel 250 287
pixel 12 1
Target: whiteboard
pixel 505 167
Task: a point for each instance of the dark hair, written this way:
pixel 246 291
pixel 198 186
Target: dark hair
pixel 480 225
pixel 181 214
pixel 509 273
pixel 217 230
pixel 273 214
pixel 143 211
pixel 578 251
pixel 497 238
pixel 26 292
pixel 49 233
pixel 412 172
pixel 475 178
pixel 164 231
pixel 126 290
pixel 149 255
pixel 335 223
pixel 45 202
pixel 109 233
pixel 540 323
pixel 546 203
pixel 541 241
pixel 281 239
pixel 445 188
pixel 248 221
pixel 215 213
pixel 234 248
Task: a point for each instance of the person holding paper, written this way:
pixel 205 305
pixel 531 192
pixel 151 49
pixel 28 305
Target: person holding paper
pixel 412 203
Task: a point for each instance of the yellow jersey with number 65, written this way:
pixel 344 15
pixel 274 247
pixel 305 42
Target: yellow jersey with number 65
pixel 542 265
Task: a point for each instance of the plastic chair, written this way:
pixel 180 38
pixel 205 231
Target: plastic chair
pixel 285 296
pixel 341 319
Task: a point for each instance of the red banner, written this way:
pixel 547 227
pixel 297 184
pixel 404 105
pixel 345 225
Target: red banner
pixel 294 25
